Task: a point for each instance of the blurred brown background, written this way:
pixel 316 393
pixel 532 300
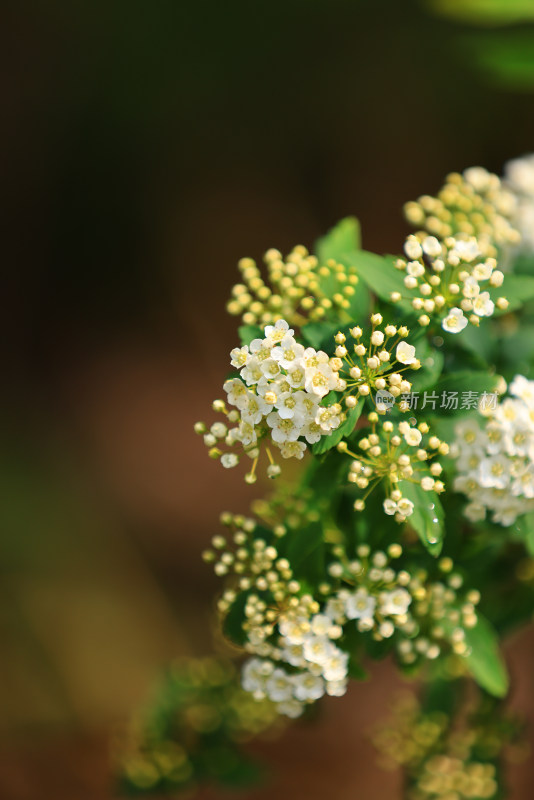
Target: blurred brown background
pixel 145 147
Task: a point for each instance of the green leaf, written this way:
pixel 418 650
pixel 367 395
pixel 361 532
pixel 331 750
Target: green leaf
pixel 462 386
pixel 431 366
pixel 517 289
pixel 378 272
pixel 319 335
pixel 304 549
pixel 525 527
pixel 427 518
pixel 233 621
pixel 249 332
pixel 326 443
pixel 477 342
pixel 485 662
pixel 343 238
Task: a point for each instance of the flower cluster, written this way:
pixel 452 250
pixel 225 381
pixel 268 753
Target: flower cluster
pixel 376 365
pixel 310 664
pixel 447 278
pixel 278 397
pixel 495 462
pixel 446 756
pixel 519 178
pixel 298 289
pixel 395 455
pixel 475 203
pixel 298 643
pixel 422 617
pixel 199 709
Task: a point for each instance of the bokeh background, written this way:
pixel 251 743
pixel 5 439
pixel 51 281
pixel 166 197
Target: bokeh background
pixel 146 147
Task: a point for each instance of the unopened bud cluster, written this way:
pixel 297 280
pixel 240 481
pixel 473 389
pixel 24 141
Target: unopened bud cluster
pixel 375 362
pixel 475 203
pixel 447 757
pixel 390 455
pixel 298 289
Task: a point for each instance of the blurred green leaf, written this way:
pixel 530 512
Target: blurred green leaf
pixel 485 12
pixel 516 288
pixel 485 661
pixel 319 335
pixel 378 272
pixel 304 549
pixel 506 57
pixel 249 332
pixel 343 238
pixel 462 382
pixel 233 621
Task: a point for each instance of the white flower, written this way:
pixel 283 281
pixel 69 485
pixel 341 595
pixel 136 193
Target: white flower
pixel 253 675
pixel 395 603
pixel 294 631
pixel 483 305
pixel 279 686
pixel 493 472
pixel 318 649
pixel 336 668
pixel 336 688
pixel 524 389
pixel 320 624
pixel 292 654
pixel 253 408
pixel 229 460
pixel 431 246
pixel 360 605
pixel 405 353
pixel 483 271
pixel 405 507
pixel 252 372
pixel 293 450
pixel 413 437
pixel 471 287
pixel 289 353
pixel 327 419
pixel 290 708
pixel 246 433
pixel 455 321
pixel 296 375
pixel 236 391
pixel 320 380
pixel 238 356
pixel 308 687
pixel 312 432
pixel 283 430
pixel 390 507
pixel 278 331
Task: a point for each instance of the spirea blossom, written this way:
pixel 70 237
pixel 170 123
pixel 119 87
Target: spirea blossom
pixel 519 177
pixel 276 399
pixel 495 457
pixel 473 204
pixel 449 280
